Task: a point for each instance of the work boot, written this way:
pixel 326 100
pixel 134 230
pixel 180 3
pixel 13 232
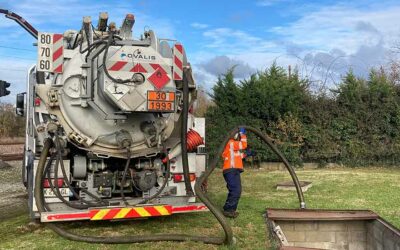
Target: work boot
pixel 231 214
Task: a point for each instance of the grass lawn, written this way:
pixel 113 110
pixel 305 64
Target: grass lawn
pixel 377 189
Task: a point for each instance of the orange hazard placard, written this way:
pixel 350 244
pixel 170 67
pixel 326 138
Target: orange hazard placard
pixel 160 96
pixel 161 101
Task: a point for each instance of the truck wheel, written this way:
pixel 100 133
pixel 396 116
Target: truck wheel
pixel 29 189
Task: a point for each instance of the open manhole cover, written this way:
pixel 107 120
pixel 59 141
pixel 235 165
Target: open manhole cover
pixel 289 185
pixel 330 229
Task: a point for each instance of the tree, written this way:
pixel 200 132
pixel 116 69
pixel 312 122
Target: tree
pixel 10 124
pixel 268 100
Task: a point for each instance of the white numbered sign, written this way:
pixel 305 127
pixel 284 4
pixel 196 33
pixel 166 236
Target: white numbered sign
pixel 50 52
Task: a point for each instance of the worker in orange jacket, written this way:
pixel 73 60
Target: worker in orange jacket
pixel 233 166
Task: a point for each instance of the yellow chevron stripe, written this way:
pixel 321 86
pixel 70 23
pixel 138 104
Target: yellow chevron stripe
pixel 162 210
pixel 100 214
pixel 142 212
pixel 122 213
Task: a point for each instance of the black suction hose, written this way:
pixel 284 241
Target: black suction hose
pixel 60 162
pixel 47 174
pixel 105 240
pixel 268 141
pixel 292 173
pixel 167 174
pixel 228 239
pixel 123 180
pixel 109 43
pixel 184 115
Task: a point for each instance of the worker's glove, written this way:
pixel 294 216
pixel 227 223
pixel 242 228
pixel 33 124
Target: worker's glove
pixel 242 131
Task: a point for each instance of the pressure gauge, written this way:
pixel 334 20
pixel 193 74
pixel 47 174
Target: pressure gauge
pixel 72 87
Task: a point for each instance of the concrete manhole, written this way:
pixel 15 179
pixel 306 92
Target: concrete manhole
pixel 289 185
pixel 331 229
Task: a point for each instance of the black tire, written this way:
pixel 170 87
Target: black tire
pixel 29 189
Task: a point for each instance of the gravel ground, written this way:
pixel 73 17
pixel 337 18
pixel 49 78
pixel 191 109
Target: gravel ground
pixel 13 196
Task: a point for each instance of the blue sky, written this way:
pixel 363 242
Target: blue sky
pixel 321 38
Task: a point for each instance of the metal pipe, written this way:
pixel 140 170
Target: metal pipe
pixel 102 24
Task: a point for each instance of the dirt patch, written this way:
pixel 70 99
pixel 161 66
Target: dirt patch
pixel 12 140
pixel 12 149
pixel 13 196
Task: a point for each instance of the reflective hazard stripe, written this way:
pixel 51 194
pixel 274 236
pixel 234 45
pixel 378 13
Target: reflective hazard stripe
pixel 137 67
pixel 162 210
pixel 157 74
pixel 58 53
pixel 119 66
pixel 240 146
pixel 232 154
pixel 178 62
pixel 124 213
pixel 100 214
pixel 143 212
pixel 120 213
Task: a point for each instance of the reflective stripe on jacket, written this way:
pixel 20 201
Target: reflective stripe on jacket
pixel 232 154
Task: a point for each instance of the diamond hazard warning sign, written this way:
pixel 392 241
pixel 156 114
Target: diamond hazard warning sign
pixel 159 78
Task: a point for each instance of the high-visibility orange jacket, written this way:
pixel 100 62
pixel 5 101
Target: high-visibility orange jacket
pixel 232 154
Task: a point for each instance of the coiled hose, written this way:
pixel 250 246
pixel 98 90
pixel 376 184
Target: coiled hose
pixel 167 174
pixel 59 162
pixel 228 239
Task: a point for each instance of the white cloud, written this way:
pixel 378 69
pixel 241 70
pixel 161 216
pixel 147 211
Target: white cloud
pixel 220 64
pixel 199 25
pixel 203 77
pixel 341 27
pixel 226 40
pixel 322 44
pixel 331 40
pixel 359 35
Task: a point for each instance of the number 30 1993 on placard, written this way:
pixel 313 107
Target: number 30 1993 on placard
pixel 162 101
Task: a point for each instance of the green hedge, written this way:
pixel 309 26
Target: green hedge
pixel 357 123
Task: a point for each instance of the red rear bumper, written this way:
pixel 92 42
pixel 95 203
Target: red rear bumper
pixel 117 213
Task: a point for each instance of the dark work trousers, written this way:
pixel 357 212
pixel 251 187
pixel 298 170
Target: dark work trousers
pixel 232 178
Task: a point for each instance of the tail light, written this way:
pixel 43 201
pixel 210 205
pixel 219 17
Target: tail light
pixel 181 178
pixel 60 182
pixel 37 101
